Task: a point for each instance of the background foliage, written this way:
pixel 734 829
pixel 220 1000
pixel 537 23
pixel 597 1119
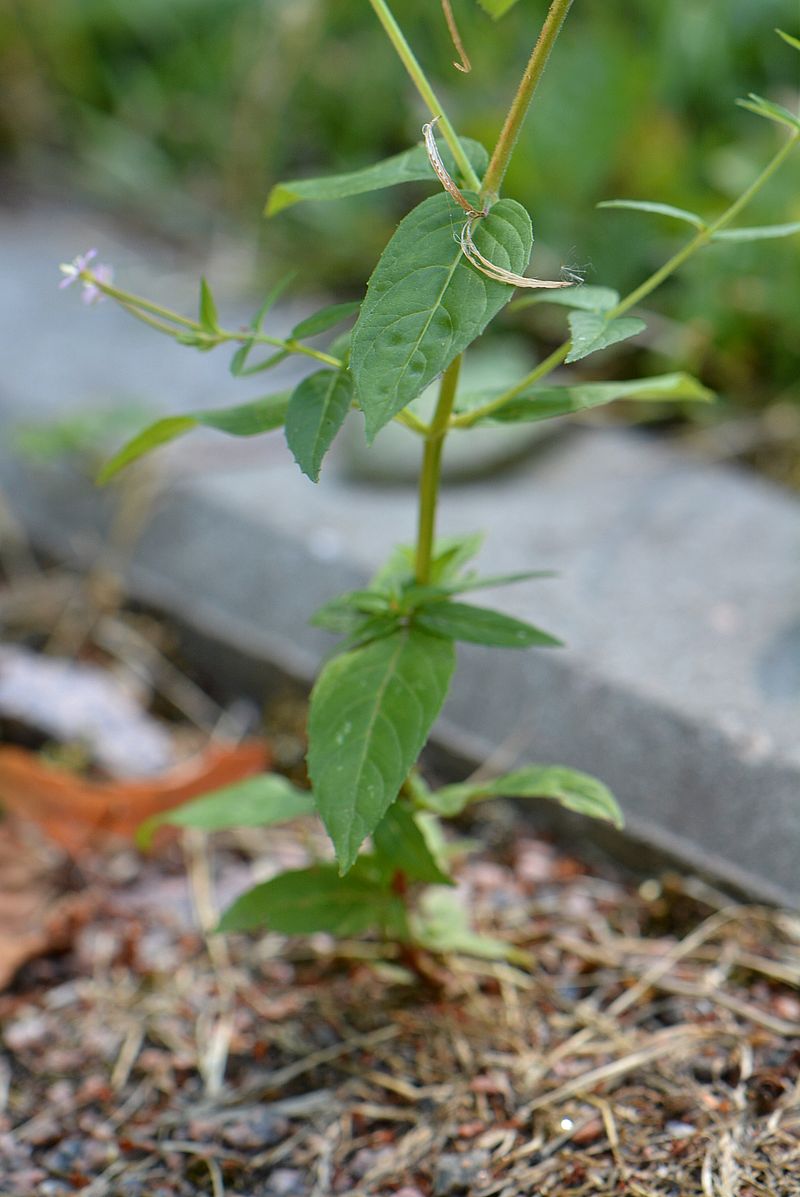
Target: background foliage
pixel 185 114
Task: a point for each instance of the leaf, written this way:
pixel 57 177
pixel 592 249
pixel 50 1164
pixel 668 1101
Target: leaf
pixel 656 208
pixel 408 167
pixel 441 924
pixel 547 403
pixel 770 111
pixel 497 8
pixel 237 366
pixel 324 319
pixel 761 233
pixel 450 555
pixel 425 303
pixel 256 802
pixel 339 614
pixel 316 411
pixel 571 789
pixel 303 901
pixel 208 309
pixel 588 299
pixel 246 419
pixel 478 625
pixel 401 846
pixel 414 596
pixel 371 711
pixel 787 37
pixel 592 332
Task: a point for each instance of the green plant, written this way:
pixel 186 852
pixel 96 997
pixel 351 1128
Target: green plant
pixel 449 269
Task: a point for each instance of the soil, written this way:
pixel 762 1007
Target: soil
pixel 651 1049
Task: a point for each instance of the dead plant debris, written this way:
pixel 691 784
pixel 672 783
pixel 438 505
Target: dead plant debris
pixel 625 1062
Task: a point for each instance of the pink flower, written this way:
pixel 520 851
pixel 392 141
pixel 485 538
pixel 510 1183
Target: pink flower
pixel 78 268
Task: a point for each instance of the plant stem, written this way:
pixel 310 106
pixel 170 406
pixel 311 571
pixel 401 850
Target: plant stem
pixel 431 471
pixel 412 65
pixel 634 297
pixel 501 156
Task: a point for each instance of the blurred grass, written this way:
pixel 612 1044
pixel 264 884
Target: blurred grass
pixel 184 114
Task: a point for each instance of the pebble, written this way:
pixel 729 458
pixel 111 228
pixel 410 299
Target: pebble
pixel 460 1173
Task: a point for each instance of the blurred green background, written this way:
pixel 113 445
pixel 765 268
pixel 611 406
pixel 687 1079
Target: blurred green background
pixel 181 114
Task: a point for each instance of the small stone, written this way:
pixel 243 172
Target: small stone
pixel 287 1182
pixel 460 1173
pixel 259 1129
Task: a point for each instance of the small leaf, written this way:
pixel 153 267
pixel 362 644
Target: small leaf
pixel 411 166
pixel 761 233
pixel 401 846
pixel 425 303
pixel 478 625
pixel 318 899
pixel 441 924
pixel 770 111
pixel 414 596
pixel 340 613
pixel 316 411
pixel 255 802
pixel 450 555
pixel 371 712
pixel 208 309
pixel 787 37
pixel 246 419
pixel 571 789
pixel 592 332
pixel 656 208
pixel 497 8
pixel 587 299
pixel 324 319
pixel 547 403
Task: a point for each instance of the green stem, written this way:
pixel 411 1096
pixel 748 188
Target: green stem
pixel 142 309
pixel 501 156
pixel 431 471
pixel 412 65
pixel 700 240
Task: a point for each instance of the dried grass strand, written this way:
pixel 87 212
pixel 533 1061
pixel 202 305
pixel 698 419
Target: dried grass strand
pixel 442 173
pixel 499 273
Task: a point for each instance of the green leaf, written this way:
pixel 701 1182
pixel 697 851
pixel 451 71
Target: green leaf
pixel 546 403
pixel 571 789
pixel 255 802
pixel 371 711
pixel 450 555
pixel 592 332
pixel 478 625
pixel 237 366
pixel 425 303
pixel 318 899
pixel 441 924
pixel 497 8
pixel 324 319
pixel 587 299
pixel 411 166
pixel 246 419
pixel 770 111
pixel 400 846
pixel 208 309
pixel 656 208
pixel 341 613
pixel 316 411
pixel 787 37
pixel 761 233
pixel 414 596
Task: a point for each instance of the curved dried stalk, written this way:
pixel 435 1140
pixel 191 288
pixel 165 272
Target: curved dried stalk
pixel 441 172
pixel 465 66
pixel 491 270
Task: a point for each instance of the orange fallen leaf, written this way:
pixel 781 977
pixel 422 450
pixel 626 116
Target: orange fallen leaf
pixel 75 811
pixel 34 918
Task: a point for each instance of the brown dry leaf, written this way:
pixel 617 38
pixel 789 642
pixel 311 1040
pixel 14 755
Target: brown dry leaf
pixel 33 918
pixel 75 811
